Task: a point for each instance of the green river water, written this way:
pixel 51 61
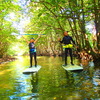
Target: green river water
pixel 52 82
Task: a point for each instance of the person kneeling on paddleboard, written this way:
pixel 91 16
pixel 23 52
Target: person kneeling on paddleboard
pixel 67 46
pixel 32 50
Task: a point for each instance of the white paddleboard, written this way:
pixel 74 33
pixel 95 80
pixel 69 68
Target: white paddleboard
pixel 72 67
pixel 33 69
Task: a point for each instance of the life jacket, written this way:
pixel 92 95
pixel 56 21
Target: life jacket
pixel 32 48
pixel 68 46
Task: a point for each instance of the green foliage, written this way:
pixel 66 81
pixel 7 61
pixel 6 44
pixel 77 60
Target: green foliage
pixel 6 39
pixel 51 17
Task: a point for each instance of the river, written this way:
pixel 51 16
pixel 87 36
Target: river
pixel 52 82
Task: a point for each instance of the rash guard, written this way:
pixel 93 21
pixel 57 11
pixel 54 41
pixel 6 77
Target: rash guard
pixel 67 40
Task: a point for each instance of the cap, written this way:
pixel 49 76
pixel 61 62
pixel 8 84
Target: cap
pixel 32 38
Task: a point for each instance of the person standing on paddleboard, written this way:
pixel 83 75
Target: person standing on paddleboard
pixel 32 50
pixel 67 46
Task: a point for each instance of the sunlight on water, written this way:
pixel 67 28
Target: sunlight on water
pixel 52 82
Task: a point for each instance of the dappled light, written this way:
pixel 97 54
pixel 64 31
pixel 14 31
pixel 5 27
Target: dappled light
pixel 51 82
pixel 18 49
pixel 62 37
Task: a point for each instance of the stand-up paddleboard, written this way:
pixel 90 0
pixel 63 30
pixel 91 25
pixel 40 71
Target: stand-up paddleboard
pixel 33 69
pixel 72 67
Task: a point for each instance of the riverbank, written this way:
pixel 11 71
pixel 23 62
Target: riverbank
pixel 7 59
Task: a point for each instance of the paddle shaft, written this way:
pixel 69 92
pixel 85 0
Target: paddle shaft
pixel 27 34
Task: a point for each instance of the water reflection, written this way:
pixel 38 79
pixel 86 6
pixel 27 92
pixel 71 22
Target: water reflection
pixel 52 82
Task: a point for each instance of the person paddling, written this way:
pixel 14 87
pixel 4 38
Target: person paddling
pixel 32 50
pixel 67 46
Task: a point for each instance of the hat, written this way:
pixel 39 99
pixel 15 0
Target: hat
pixel 32 38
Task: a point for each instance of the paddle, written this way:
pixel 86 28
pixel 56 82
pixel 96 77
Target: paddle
pixel 27 34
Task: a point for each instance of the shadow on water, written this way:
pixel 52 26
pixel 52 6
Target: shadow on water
pixel 52 82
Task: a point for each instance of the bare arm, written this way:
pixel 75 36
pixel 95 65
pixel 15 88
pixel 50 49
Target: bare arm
pixel 25 39
pixel 37 39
